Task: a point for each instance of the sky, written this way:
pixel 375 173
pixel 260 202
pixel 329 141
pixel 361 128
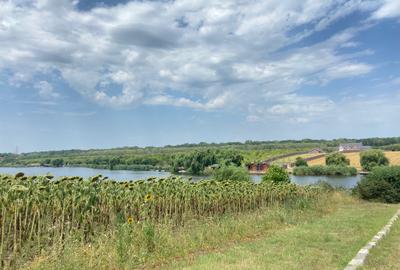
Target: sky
pixel 101 74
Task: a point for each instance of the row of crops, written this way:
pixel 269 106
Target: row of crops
pixel 38 212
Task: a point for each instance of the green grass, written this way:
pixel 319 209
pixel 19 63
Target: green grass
pixel 327 243
pixel 387 253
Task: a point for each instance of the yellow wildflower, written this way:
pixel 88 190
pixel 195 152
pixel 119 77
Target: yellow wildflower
pixel 148 198
pixel 130 220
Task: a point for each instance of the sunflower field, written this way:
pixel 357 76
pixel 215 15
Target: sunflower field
pixel 40 211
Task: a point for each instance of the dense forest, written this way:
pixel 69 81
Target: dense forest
pixel 193 158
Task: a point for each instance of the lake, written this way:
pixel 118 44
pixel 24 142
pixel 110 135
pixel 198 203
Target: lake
pixel 336 181
pixel 346 181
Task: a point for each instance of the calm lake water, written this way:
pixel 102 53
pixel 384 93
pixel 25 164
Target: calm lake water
pixel 346 182
pixel 336 181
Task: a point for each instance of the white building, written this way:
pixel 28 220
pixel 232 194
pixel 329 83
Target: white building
pixel 353 147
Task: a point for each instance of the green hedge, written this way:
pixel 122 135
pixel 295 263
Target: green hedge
pixel 319 170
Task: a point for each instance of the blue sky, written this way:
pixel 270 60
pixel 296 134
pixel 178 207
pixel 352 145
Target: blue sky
pixel 87 74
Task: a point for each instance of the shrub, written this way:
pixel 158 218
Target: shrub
pixel 381 184
pixel 231 173
pixel 300 162
pixel 337 159
pixel 372 158
pixel 318 170
pixel 276 174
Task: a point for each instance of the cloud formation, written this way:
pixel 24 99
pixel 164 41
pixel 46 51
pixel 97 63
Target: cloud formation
pixel 389 9
pixel 46 90
pixel 188 53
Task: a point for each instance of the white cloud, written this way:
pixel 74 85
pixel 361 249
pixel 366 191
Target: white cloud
pixel 19 78
pixel 127 97
pixel 291 108
pixel 197 54
pixel 46 90
pixel 390 9
pixel 348 70
pixel 217 102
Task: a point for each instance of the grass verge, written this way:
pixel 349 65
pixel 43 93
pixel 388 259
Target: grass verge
pixel 386 254
pixel 326 243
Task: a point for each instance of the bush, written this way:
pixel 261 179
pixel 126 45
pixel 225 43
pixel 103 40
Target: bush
pixel 300 162
pixel 372 158
pixel 337 159
pixel 231 173
pixel 276 174
pixel 382 184
pixel 319 170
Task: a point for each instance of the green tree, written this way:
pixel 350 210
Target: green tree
pixel 195 162
pixel 373 158
pixel 276 174
pixel 231 173
pixel 300 162
pixel 337 159
pixel 230 157
pixel 381 184
pixel 45 162
pixel 58 162
pixel 113 162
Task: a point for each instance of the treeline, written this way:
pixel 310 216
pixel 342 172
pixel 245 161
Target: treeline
pixel 198 161
pixel 148 158
pixel 392 147
pixel 380 141
pixel 376 141
pixel 112 163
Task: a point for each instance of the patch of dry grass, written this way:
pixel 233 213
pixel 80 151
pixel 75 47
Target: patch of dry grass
pixel 292 159
pixel 393 156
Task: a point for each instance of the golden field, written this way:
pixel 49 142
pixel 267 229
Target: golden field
pixel 393 156
pixel 292 159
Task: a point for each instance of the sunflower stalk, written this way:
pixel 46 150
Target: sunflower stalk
pixel 46 211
